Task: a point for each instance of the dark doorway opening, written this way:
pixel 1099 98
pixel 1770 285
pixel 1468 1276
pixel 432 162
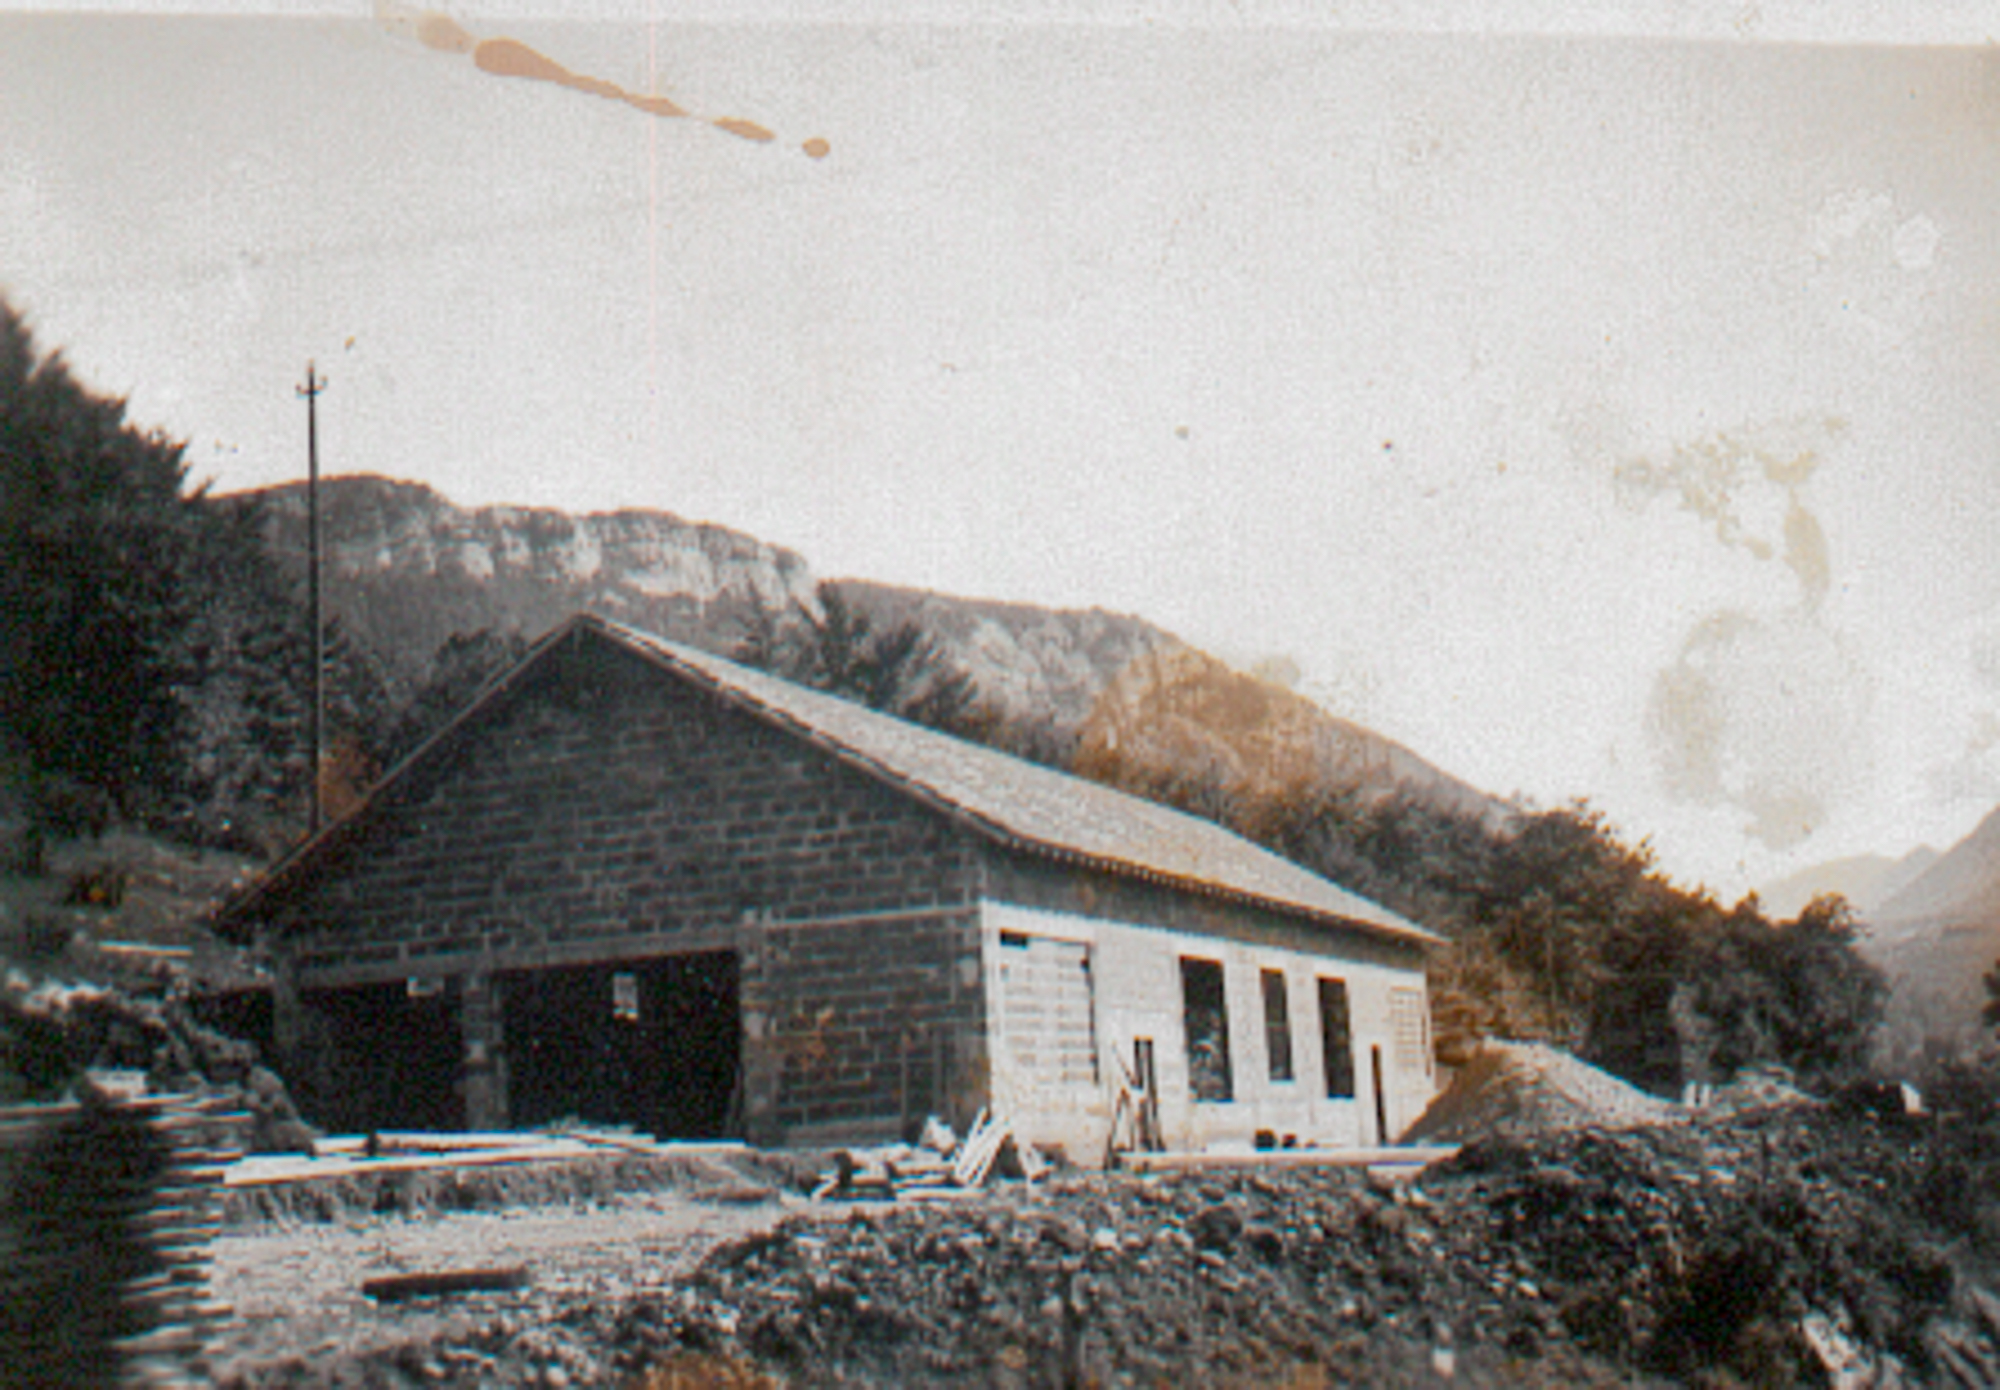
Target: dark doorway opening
pixel 1205 1013
pixel 654 1044
pixel 385 1056
pixel 1336 1039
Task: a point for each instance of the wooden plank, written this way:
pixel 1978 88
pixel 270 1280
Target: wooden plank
pixel 264 1171
pixel 395 1288
pixel 1393 1160
pixel 982 1146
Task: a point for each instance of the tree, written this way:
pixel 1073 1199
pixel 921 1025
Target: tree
pixel 1560 931
pixel 902 671
pixel 460 668
pixel 86 536
pixel 1794 992
pixel 237 748
pixel 143 642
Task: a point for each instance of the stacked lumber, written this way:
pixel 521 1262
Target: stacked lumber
pixel 109 1207
pixel 939 1164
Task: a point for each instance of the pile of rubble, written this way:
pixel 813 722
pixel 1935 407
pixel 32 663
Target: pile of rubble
pixel 1800 1248
pixel 1827 1244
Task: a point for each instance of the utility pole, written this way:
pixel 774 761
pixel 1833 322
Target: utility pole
pixel 314 385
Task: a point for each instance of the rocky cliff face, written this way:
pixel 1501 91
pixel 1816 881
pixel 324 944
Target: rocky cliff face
pixel 405 569
pixel 1051 665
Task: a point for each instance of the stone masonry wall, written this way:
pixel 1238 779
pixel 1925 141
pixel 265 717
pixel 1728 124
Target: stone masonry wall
pixel 605 804
pixel 607 811
pixel 858 1030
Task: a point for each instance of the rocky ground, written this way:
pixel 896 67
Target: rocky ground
pixel 1802 1244
pixel 1584 1234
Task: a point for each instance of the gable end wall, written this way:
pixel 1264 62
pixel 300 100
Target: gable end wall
pixel 606 812
pixel 604 802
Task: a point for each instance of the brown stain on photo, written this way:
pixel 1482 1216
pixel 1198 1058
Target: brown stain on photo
pixel 444 34
pixel 512 58
pixel 655 105
pixel 508 57
pixel 1708 477
pixel 749 130
pixel 1760 712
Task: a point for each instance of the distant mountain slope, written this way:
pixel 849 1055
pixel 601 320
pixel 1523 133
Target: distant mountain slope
pixel 1937 937
pixel 1962 885
pixel 406 569
pixel 1865 880
pixel 1181 713
pixel 1030 662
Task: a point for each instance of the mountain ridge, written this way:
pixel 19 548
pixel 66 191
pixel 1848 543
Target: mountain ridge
pixel 1865 880
pixel 1962 884
pixel 1936 936
pixel 406 569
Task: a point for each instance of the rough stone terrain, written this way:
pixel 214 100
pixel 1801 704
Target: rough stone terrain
pixel 300 1315
pixel 1841 1244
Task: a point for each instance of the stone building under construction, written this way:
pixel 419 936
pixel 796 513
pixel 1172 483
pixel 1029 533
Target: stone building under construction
pixel 634 883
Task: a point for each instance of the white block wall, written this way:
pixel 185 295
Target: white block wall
pixel 1136 992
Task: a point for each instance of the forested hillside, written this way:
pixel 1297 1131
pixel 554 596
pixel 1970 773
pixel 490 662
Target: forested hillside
pixel 150 659
pixel 154 669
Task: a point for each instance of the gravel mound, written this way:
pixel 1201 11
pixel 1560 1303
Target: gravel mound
pixel 1532 1087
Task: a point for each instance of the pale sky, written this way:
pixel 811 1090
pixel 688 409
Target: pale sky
pixel 1603 409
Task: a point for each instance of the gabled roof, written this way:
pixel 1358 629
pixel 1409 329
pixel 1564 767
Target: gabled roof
pixel 1011 801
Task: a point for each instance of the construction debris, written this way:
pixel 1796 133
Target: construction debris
pixel 1794 1245
pixel 56 1032
pixel 415 1174
pixel 938 1165
pixel 982 1145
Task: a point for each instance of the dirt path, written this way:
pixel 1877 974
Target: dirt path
pixel 296 1289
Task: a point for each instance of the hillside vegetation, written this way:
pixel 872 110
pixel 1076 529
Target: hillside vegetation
pixel 155 670
pixel 151 663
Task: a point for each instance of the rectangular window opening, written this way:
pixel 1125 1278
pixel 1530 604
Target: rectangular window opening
pixel 1205 1012
pixel 1277 1025
pixel 1336 1039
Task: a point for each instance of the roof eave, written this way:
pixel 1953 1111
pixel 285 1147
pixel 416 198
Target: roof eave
pixel 231 917
pixel 993 830
pixel 1410 932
